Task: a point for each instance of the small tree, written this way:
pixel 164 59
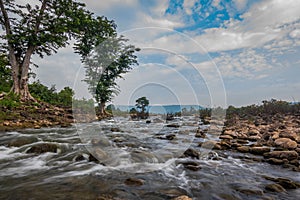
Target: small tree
pixel 106 63
pixel 141 104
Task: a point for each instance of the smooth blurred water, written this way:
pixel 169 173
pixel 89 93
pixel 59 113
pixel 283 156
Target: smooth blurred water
pixel 134 150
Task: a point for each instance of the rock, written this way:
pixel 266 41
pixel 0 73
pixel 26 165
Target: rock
pixel 191 165
pixel 290 135
pixel 230 133
pixel 243 149
pixel 79 158
pixel 148 121
pixel 287 183
pixel 115 129
pixel 225 137
pixel 171 137
pixel 275 188
pixel 173 125
pixel 183 197
pixel 254 138
pixel 191 153
pixel 200 133
pixel 21 141
pixel 242 141
pixel 275 161
pixel 37 127
pixel 134 182
pixel 259 150
pixel 286 143
pixel 210 144
pixel 43 148
pixel 294 162
pixel 289 155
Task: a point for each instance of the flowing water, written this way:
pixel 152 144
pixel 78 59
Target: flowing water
pixel 130 149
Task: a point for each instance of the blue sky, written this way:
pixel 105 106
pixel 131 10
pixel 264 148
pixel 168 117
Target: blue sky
pixel 211 52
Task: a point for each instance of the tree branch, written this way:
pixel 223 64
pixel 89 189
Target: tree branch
pixel 39 18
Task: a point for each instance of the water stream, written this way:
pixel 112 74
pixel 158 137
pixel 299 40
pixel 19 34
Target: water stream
pixel 129 149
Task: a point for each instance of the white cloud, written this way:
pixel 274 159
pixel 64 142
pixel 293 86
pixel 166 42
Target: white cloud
pixel 240 4
pixel 103 6
pixel 188 6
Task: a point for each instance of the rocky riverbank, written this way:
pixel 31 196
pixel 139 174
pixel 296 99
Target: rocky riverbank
pixel 275 139
pixel 33 115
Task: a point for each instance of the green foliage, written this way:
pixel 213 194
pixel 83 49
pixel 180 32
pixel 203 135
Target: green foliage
pixel 142 104
pixel 10 101
pixel 83 106
pixel 106 63
pixel 267 108
pixel 49 95
pixel 5 75
pixel 50 26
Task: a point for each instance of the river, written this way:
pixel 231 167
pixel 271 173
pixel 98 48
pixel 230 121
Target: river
pixel 150 154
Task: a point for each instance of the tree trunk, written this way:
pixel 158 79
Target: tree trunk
pixel 102 111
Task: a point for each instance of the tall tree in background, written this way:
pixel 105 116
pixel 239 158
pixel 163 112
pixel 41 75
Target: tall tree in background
pixel 44 28
pixel 106 63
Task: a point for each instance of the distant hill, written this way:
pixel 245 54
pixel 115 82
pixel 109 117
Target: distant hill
pixel 163 109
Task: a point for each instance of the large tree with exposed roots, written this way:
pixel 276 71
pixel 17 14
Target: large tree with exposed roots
pixel 42 29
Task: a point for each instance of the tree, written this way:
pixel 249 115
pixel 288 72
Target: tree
pixel 141 104
pixel 44 28
pixel 105 64
pixel 5 75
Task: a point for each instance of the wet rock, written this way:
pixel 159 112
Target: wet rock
pixel 287 183
pixel 275 161
pixel 115 129
pixel 21 141
pixel 191 153
pixel 231 133
pixel 275 188
pixel 289 155
pixel 200 133
pixel 43 148
pixel 284 182
pixel 173 125
pixel 191 165
pixel 171 137
pixel 79 158
pixel 259 150
pixel 134 182
pixel 250 190
pixel 243 149
pixel 242 141
pixel 294 162
pixel 210 144
pixel 286 143
pixel 183 197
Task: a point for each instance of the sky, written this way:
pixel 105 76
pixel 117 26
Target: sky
pixel 206 52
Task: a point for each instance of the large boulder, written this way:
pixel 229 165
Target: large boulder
pixel 286 143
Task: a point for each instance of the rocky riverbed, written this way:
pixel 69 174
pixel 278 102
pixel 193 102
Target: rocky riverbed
pixel 124 159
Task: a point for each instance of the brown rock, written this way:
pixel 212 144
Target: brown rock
pixel 289 155
pixel 286 143
pixel 275 188
pixel 259 150
pixel 243 149
pixel 183 197
pixel 191 153
pixel 254 138
pixel 134 182
pixel 290 135
pixel 225 137
pixel 275 161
